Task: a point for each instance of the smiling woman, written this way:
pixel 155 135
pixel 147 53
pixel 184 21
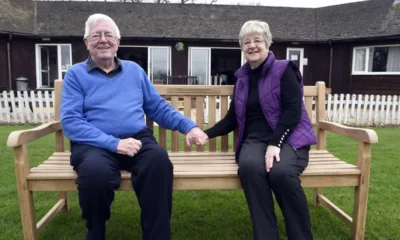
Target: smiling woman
pixel 275 134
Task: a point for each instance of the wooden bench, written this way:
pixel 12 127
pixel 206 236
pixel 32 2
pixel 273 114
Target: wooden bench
pixel 214 169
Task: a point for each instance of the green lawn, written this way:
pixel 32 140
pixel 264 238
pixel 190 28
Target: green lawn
pixel 214 214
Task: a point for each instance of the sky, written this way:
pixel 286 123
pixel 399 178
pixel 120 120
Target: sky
pixel 287 3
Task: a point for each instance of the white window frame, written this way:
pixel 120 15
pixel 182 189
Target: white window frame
pixel 367 48
pixel 242 58
pixel 148 56
pixel 39 62
pixel 301 60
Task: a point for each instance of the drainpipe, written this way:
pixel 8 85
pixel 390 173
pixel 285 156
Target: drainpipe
pixel 330 65
pixel 9 61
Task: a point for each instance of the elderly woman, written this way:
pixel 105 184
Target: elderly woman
pixel 275 135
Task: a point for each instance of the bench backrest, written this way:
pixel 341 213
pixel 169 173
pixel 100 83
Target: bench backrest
pixel 213 102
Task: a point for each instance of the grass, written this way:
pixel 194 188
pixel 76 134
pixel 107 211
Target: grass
pixel 213 214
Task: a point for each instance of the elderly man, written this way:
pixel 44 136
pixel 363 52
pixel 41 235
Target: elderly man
pixel 104 101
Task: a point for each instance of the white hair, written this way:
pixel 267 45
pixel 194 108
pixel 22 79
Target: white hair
pixel 94 18
pixel 254 26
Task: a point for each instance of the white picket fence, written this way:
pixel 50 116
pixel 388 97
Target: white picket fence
pixel 363 110
pixel 349 109
pixel 18 107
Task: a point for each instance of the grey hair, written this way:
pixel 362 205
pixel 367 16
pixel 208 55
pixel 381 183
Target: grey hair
pixel 94 18
pixel 255 26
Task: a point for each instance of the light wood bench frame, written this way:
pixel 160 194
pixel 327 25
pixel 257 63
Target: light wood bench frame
pixel 214 169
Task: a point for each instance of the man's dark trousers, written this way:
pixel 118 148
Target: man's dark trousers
pixel 99 175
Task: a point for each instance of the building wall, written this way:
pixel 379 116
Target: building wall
pixel 341 68
pixel 179 59
pixel 344 82
pixel 374 84
pixel 317 68
pixel 318 55
pixel 79 51
pixel 23 57
pixel 318 64
pixel 3 63
pixel 23 61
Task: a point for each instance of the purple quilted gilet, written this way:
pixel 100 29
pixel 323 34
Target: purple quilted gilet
pixel 270 99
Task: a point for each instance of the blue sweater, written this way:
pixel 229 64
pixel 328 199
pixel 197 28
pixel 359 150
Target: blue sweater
pixel 98 110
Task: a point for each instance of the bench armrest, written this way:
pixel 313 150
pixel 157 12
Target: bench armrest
pixel 361 134
pixel 18 138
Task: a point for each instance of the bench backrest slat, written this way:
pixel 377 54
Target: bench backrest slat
pixel 212 119
pixel 175 134
pixel 191 101
pixel 187 111
pixel 224 110
pixel 308 103
pixel 200 116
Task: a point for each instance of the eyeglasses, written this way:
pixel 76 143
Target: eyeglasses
pixel 256 42
pixel 97 36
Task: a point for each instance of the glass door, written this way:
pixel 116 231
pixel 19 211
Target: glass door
pixel 159 64
pixel 200 65
pixel 52 62
pixel 45 66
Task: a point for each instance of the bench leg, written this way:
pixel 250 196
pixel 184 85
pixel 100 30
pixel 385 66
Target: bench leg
pixel 26 203
pixel 318 191
pixel 360 212
pixel 28 218
pixel 361 192
pixel 64 195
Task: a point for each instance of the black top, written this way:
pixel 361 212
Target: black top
pixel 291 103
pixel 255 119
pixel 91 65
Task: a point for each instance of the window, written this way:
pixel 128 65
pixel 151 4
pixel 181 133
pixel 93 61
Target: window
pixel 296 55
pixel 155 61
pixel 52 62
pixel 376 60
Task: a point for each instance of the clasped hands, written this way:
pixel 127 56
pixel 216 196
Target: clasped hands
pixel 131 146
pixel 196 136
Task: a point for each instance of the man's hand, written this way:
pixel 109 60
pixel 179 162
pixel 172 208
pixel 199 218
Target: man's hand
pixel 129 146
pixel 196 136
pixel 272 151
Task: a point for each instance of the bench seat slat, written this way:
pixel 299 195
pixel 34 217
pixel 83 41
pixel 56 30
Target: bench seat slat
pixel 201 153
pixel 199 165
pixel 207 165
pixel 176 162
pixel 196 171
pixel 193 174
pixel 320 170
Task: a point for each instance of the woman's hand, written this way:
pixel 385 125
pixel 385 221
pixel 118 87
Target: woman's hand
pixel 272 152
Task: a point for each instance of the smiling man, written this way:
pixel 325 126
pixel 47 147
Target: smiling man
pixel 103 104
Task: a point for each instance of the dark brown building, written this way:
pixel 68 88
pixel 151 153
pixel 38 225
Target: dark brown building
pixel 354 48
